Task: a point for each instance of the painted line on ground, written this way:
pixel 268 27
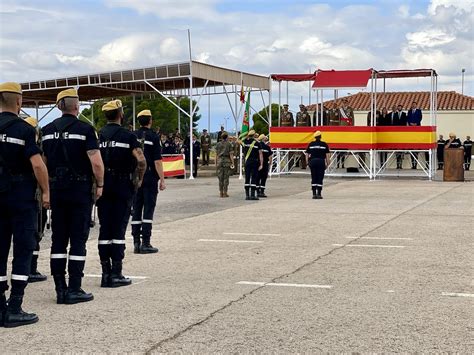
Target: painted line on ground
pixel 130 277
pixel 254 234
pixel 369 246
pixel 380 238
pixel 230 241
pixel 256 283
pixel 457 294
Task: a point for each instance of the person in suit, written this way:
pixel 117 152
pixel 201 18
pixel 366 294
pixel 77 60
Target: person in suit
pixel 399 119
pixel 414 119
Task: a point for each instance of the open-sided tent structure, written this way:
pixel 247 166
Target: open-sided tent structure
pixel 191 78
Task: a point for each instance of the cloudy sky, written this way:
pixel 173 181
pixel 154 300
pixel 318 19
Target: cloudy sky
pixel 43 39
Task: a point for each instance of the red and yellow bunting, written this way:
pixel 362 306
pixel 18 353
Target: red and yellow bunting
pixel 174 166
pixel 393 137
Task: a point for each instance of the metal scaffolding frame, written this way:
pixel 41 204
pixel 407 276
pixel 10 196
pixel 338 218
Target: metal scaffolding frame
pixel 286 162
pixel 169 80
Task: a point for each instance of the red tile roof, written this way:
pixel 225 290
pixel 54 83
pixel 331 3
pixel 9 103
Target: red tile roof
pixel 447 100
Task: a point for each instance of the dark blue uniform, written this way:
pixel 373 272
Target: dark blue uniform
pixel 467 153
pixel 17 200
pixel 263 174
pixel 145 198
pixel 65 144
pixel 116 147
pixel 251 153
pixel 440 153
pixel 317 151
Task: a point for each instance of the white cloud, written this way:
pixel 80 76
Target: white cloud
pixel 429 38
pixel 458 5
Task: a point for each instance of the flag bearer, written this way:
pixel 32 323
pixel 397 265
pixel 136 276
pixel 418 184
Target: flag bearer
pixel 253 158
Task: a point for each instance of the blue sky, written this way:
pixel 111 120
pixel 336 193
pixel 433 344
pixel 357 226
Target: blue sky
pixel 42 39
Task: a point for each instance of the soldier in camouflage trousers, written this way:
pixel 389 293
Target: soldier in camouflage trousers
pixel 225 163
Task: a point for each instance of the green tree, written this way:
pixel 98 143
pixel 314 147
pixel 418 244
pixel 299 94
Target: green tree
pixel 165 114
pixel 259 125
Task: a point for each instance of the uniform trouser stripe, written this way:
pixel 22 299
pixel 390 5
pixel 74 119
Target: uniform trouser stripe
pixel 3 278
pixel 58 256
pixel 135 222
pixel 36 252
pixel 77 258
pixel 19 277
pixel 105 242
pixel 118 241
pixel 149 221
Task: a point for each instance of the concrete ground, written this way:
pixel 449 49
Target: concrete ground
pixel 382 266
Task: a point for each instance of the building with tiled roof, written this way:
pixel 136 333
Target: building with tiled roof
pixel 455 111
pixel 447 100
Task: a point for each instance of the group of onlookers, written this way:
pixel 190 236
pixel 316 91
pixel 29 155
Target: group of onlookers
pixel 454 142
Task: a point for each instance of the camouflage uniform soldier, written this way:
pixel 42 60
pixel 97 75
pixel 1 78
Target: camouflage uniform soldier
pixel 236 154
pixel 286 117
pixel 303 119
pixel 346 114
pixel 225 163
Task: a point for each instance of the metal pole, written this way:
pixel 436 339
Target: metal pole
pixel 279 103
pixel 133 110
pixel 92 114
pixel 309 88
pixel 462 80
pixel 317 106
pixel 287 93
pixel 209 113
pixel 270 104
pixel 179 115
pixel 191 152
pixel 37 109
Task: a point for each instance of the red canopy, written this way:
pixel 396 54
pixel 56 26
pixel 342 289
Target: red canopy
pixel 406 73
pixel 294 77
pixel 338 79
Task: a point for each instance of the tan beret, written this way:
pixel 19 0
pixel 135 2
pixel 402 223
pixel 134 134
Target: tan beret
pixel 66 93
pixel 32 121
pixel 144 113
pixel 317 134
pixel 10 87
pixel 112 105
pixel 251 132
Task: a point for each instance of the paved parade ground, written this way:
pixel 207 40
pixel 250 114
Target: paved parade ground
pixel 382 266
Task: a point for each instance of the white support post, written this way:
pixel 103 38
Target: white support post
pixel 279 103
pixel 37 109
pixel 191 148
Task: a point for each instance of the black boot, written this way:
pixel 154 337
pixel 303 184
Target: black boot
pixel 75 293
pixel 61 288
pixel 262 192
pixel 15 316
pixel 247 193
pixel 146 247
pixel 318 193
pixel 252 194
pixel 314 193
pixel 106 271
pixel 116 278
pixel 3 308
pixel 35 275
pixel 136 245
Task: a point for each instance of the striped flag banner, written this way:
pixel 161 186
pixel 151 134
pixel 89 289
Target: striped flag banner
pixel 173 165
pixel 350 137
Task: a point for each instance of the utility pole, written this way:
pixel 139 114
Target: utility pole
pixel 463 70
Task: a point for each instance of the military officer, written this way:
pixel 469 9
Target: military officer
pixel 236 154
pixel 154 179
pixel 21 169
pixel 73 159
pixel 286 117
pixel 440 152
pixel 267 163
pixel 35 275
pixel 225 163
pixel 467 144
pixel 303 119
pixel 205 146
pixel 317 156
pixel 346 114
pixel 333 114
pixel 253 158
pixel 122 155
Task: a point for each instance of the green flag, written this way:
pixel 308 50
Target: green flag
pixel 245 121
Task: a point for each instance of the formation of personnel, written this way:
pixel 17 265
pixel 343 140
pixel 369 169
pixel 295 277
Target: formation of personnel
pixel 74 169
pixel 454 142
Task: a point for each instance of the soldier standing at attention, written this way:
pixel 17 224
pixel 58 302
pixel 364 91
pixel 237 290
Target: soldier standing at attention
pixel 467 152
pixel 346 114
pixel 267 162
pixel 154 179
pixel 225 163
pixel 122 155
pixel 73 159
pixel 205 146
pixel 21 168
pixel 303 119
pixel 253 158
pixel 317 156
pixel 35 275
pixel 440 152
pixel 286 117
